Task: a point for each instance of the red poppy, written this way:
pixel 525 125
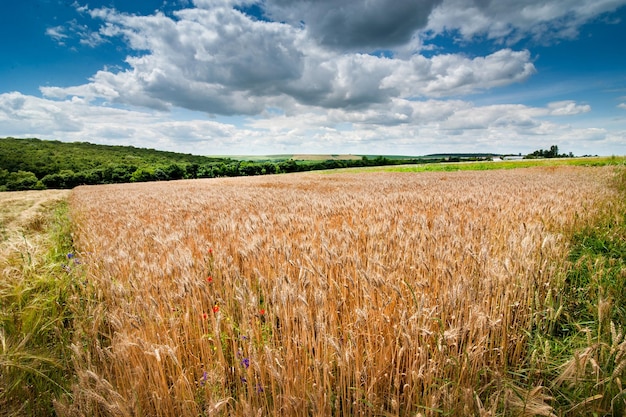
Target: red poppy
pixel 209 279
pixel 205 316
pixel 262 311
pixel 210 251
pixel 216 308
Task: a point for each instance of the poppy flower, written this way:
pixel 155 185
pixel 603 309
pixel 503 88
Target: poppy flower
pixel 216 308
pixel 209 279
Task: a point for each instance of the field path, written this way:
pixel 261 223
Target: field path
pixel 20 210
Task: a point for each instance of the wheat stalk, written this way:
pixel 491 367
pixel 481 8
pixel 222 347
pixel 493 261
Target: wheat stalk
pixel 348 294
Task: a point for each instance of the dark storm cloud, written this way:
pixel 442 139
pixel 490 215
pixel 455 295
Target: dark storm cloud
pixel 355 24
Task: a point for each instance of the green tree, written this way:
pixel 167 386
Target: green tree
pixel 160 175
pixel 553 152
pixel 53 181
pixel 22 180
pixel 142 175
pixel 68 178
pixel 191 170
pixel 122 173
pixel 288 166
pixel 175 172
pixel 268 168
pixel 4 174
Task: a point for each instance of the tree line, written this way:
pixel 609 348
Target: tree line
pixel 34 164
pixel 553 152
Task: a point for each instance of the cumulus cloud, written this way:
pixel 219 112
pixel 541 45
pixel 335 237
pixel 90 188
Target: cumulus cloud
pixel 38 116
pixel 455 126
pixel 510 20
pixel 567 108
pixel 453 74
pixel 309 76
pixel 221 61
pixel 622 106
pixel 355 24
pixel 77 120
pixel 407 126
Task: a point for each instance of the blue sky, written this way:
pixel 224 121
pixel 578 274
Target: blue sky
pixel 229 77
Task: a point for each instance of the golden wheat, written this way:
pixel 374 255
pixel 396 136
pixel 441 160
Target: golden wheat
pixel 309 294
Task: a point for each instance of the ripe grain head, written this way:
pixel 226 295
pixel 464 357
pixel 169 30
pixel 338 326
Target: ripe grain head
pixel 345 294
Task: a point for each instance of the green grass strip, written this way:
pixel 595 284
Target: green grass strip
pixel 36 318
pixel 490 165
pixel 579 352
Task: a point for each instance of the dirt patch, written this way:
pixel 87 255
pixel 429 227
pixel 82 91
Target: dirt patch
pixel 22 212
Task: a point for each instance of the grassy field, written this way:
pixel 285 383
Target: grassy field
pixel 491 165
pixel 497 292
pixel 35 302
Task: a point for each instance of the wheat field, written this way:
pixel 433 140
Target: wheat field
pixel 370 294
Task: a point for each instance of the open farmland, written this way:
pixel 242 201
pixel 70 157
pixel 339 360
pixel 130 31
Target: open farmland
pixel 346 294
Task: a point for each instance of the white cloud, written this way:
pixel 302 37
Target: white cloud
pixel 77 120
pixel 57 33
pixel 450 75
pixel 80 8
pixel 400 126
pixel 510 20
pixel 309 85
pixel 62 34
pixel 567 108
pixel 220 61
pixel 622 106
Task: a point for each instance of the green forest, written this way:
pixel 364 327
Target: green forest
pixel 34 164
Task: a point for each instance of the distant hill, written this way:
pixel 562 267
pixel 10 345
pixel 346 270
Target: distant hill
pixel 43 157
pixel 27 164
pixel 38 164
pixel 461 155
pixel 326 157
pixel 297 157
